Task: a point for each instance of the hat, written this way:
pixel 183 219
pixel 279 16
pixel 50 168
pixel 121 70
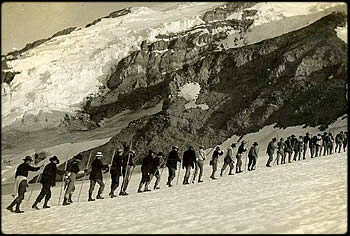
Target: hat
pixel 255 144
pixel 293 135
pixel 307 133
pixel 160 154
pixel 233 145
pixel 201 147
pixel 217 148
pixel 175 147
pixel 282 139
pixel 274 139
pixel 244 141
pixel 54 158
pixel 190 147
pixel 28 158
pixel 132 152
pixel 99 154
pixel 119 150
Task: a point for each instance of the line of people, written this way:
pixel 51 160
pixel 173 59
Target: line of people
pixel 122 164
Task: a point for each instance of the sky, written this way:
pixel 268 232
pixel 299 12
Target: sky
pixel 25 22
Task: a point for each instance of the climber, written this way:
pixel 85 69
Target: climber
pixel 188 162
pixel 171 163
pixel 96 176
pixel 214 161
pixel 228 160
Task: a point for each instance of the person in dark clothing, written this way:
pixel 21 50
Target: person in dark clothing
pixel 48 180
pixel 21 183
pixel 307 140
pixel 155 170
pixel 241 150
pixel 96 176
pixel 297 149
pixel 294 142
pixel 339 140
pixel 146 168
pixel 72 171
pixel 280 152
pixel 188 162
pixel 329 143
pixel 228 160
pixel 214 161
pixel 116 171
pixel 313 144
pixel 171 163
pixel 270 151
pixel 345 141
pixel 253 156
pixel 127 164
pixel 289 148
pixel 324 143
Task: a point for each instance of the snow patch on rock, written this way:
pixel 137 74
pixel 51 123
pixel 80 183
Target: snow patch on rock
pixel 190 92
pixel 342 33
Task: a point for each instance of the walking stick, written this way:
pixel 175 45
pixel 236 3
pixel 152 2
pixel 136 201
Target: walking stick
pixel 178 175
pixel 81 186
pixel 65 167
pixel 126 172
pixel 110 165
pixel 31 191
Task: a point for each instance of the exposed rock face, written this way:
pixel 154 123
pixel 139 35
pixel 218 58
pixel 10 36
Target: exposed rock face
pixel 114 14
pixel 297 78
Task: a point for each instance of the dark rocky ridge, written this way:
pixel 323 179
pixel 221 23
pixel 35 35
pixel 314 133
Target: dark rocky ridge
pixel 294 79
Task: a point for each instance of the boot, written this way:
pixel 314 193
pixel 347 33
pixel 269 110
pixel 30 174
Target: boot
pixel 90 197
pixel 17 208
pixel 200 181
pixel 156 187
pixel 70 198
pixel 123 193
pixel 35 205
pixel 65 202
pixel 45 204
pixel 99 197
pixel 10 207
pixel 111 194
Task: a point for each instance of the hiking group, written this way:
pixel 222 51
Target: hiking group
pixel 122 164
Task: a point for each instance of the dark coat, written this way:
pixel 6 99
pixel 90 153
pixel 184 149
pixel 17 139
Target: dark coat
pixel 189 158
pixel 216 155
pixel 155 164
pixel 117 164
pixel 23 169
pixel 271 148
pixel 293 142
pixel 241 149
pixel 49 174
pixel 147 164
pixel 173 158
pixel 126 156
pixel 96 169
pixel 73 167
pixel 307 139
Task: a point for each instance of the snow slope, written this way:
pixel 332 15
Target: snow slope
pixel 60 73
pixel 309 196
pixel 190 92
pixel 302 197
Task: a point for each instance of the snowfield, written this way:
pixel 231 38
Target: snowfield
pixel 309 196
pixel 190 93
pixel 60 73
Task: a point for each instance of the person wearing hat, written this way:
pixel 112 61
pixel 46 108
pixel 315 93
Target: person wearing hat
pixel 253 156
pixel 48 180
pixel 214 161
pixel 72 171
pixel 289 148
pixel 280 152
pixel 96 176
pixel 307 140
pixel 329 143
pixel 146 168
pixel 171 163
pixel 200 157
pixel 241 150
pixel 318 145
pixel 324 143
pixel 21 183
pixel 294 142
pixel 188 162
pixel 127 164
pixel 116 171
pixel 228 160
pixel 271 151
pixel 155 170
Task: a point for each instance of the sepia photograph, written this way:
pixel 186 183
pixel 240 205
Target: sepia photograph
pixel 174 117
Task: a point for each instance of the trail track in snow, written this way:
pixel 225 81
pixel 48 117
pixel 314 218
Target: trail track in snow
pixel 308 196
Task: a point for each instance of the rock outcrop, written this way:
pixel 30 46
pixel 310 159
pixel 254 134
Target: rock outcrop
pixel 297 78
